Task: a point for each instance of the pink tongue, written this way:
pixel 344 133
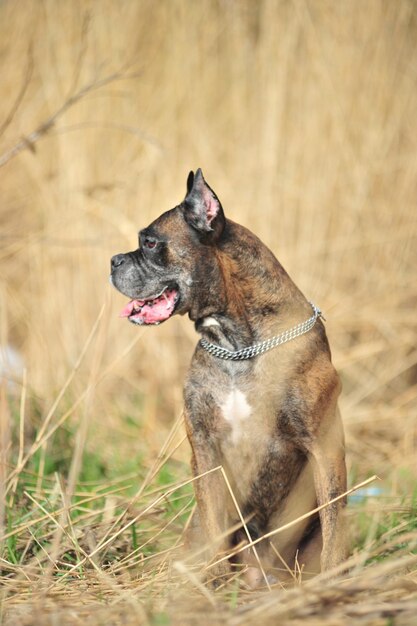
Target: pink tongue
pixel 158 312
pixel 127 311
pixel 152 311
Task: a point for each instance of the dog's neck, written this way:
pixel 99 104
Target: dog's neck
pixel 234 333
pixel 242 319
pixel 250 296
pixel 257 349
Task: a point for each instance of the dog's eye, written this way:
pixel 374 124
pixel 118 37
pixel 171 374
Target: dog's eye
pixel 149 243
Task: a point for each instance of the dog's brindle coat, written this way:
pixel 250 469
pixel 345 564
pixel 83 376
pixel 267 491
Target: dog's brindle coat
pixel 270 421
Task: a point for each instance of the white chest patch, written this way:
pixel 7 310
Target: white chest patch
pixel 236 410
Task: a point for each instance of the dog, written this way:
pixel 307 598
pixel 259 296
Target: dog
pixel 260 396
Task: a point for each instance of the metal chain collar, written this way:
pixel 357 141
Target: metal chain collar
pixel 263 346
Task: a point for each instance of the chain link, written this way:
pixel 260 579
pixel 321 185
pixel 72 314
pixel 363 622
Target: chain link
pixel 264 346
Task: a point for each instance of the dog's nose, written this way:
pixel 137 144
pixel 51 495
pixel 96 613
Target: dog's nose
pixel 117 260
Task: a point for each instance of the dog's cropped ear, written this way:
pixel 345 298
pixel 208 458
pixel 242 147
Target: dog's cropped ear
pixel 190 181
pixel 202 208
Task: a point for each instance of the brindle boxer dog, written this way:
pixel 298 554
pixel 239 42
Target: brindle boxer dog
pixel 268 414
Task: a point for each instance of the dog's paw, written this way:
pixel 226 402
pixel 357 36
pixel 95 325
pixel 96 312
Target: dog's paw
pixel 254 578
pixel 218 574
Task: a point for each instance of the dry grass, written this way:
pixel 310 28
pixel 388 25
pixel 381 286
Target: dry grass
pixel 303 117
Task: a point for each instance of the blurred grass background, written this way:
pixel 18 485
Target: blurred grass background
pixel 303 116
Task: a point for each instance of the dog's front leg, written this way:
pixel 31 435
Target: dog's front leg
pixel 211 497
pixel 328 455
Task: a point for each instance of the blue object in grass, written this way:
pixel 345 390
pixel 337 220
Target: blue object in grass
pixel 361 495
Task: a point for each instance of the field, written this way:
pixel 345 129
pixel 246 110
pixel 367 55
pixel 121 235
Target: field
pixel 303 117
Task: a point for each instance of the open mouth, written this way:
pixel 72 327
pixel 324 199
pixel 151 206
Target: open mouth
pixel 153 310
